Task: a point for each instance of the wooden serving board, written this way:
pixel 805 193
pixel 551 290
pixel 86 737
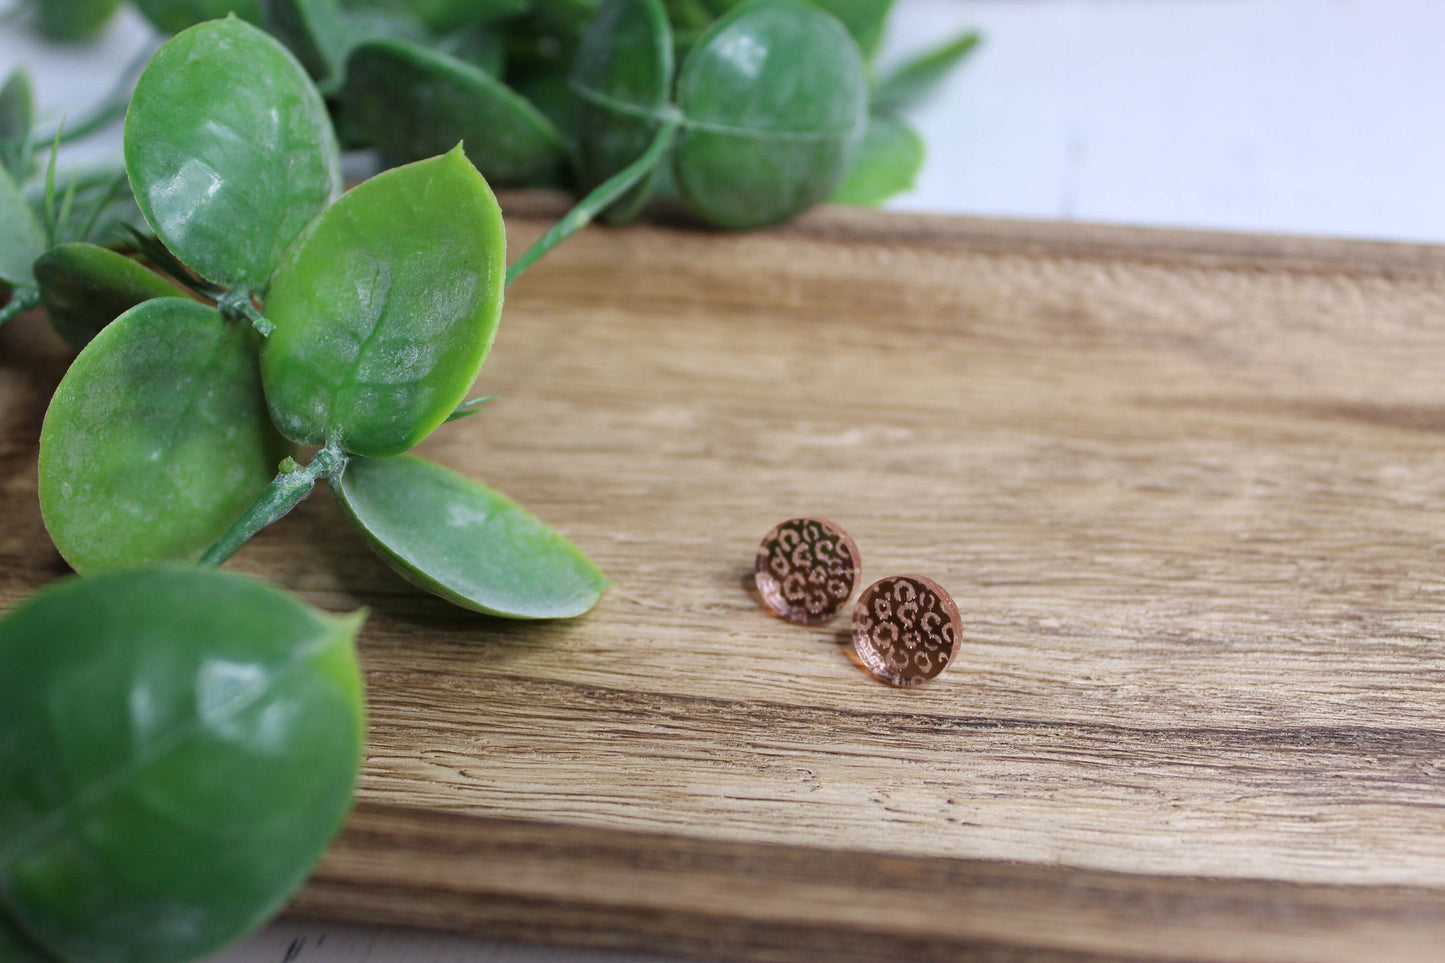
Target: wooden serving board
pixel 1188 491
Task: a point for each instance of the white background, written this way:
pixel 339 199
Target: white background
pixel 1297 116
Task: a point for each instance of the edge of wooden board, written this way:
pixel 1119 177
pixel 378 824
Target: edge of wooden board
pixel 543 882
pixel 1054 238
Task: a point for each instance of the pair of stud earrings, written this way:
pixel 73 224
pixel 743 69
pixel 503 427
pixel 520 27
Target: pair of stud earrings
pixel 906 628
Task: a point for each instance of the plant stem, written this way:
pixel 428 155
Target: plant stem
pixel 602 197
pixel 236 305
pixel 287 490
pixel 21 300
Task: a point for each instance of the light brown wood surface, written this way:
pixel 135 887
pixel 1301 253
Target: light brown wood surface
pixel 1188 492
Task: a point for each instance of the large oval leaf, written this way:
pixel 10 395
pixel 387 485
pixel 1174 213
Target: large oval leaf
pixel 22 239
pixel 414 102
pixel 622 80
pixel 465 542
pixel 386 308
pixel 230 150
pixel 316 31
pixel 156 439
pixel 179 745
pixel 776 100
pixel 85 287
pixel 173 16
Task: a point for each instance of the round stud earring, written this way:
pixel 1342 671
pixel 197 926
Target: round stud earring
pixel 806 570
pixel 906 629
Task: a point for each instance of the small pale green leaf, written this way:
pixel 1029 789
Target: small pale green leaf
pixel 413 102
pixel 915 80
pixel 775 99
pixel 622 80
pixel 886 164
pixel 22 238
pixel 156 439
pixel 465 542
pixel 179 746
pixel 85 287
pixel 385 309
pixel 173 16
pixel 230 150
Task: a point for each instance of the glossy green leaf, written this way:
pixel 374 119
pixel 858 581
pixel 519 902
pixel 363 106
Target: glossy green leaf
pixel 775 100
pixel 622 79
pixel 22 238
pixel 886 164
pixel 385 309
pixel 179 746
pixel 173 16
pixel 316 31
pixel 465 542
pixel 863 19
pixel 85 287
pixel 230 150
pixel 915 80
pixel 156 439
pixel 414 102
pixel 73 21
pixel 444 16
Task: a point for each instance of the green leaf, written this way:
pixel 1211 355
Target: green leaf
pixel 17 118
pixel 775 100
pixel 444 16
pixel 385 309
pixel 915 80
pixel 86 287
pixel 179 746
pixel 465 542
pixel 316 31
pixel 73 21
pixel 173 16
pixel 887 163
pixel 414 103
pixel 863 19
pixel 156 439
pixel 22 238
pixel 622 79
pixel 482 45
pixel 230 150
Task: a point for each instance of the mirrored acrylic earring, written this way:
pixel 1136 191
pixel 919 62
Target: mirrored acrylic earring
pixel 906 629
pixel 806 570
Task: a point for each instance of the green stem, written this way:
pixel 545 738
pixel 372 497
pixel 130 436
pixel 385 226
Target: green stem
pixel 21 300
pixel 287 490
pixel 601 198
pixel 236 305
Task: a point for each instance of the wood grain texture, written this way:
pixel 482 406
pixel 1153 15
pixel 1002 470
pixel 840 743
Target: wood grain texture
pixel 1186 490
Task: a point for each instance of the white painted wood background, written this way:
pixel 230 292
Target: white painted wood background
pixel 1295 116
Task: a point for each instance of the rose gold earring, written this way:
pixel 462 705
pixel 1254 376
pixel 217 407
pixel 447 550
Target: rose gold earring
pixel 906 629
pixel 806 570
